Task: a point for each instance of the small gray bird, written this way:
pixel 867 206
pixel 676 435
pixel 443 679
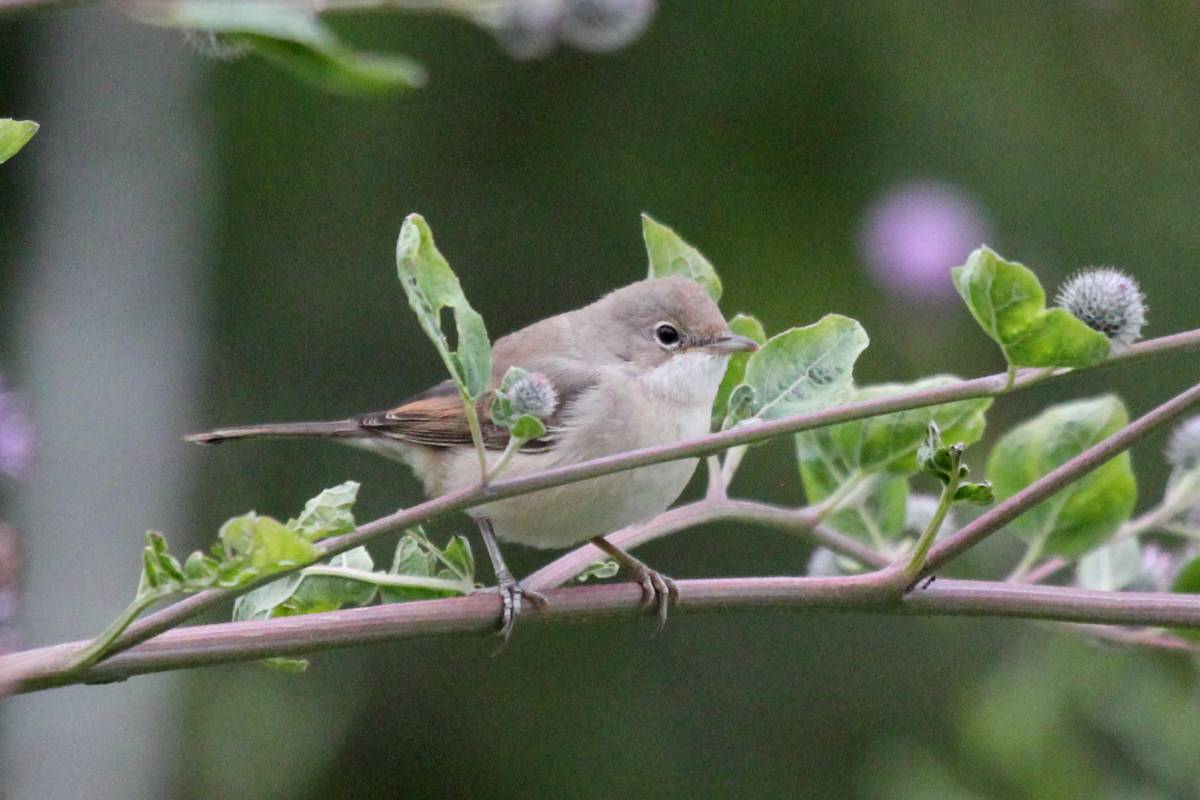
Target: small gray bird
pixel 637 368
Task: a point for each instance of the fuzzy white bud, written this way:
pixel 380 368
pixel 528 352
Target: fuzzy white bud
pixel 1107 300
pixel 533 395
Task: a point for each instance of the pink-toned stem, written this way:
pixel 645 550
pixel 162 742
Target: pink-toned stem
pixel 203 645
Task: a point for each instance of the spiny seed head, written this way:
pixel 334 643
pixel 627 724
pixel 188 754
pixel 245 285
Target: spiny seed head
pixel 535 395
pixel 1107 300
pixel 1183 450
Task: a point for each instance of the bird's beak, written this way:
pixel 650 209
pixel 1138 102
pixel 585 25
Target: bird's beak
pixel 732 343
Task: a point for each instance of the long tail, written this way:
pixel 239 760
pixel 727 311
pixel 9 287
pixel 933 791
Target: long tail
pixel 344 428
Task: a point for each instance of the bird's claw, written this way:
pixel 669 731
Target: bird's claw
pixel 511 592
pixel 657 589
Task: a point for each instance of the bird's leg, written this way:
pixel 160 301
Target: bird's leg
pixel 511 592
pixel 656 587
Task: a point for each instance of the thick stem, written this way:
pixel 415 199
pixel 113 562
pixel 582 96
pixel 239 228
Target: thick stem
pixel 203 645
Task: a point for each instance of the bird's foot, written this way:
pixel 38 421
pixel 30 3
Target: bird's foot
pixel 511 595
pixel 657 590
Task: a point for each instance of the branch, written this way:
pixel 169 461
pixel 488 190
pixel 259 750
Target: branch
pixel 989 386
pixel 204 645
pixel 1061 477
pixel 882 590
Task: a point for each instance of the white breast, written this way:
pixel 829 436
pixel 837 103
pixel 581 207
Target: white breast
pixel 671 403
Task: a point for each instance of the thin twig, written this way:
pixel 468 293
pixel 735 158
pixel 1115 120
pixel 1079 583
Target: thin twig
pixel 1059 478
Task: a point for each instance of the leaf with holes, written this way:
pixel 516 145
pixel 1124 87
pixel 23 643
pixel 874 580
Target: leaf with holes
pixel 432 286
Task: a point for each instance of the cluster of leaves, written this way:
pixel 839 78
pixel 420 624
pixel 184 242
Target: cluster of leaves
pixel 248 548
pixel 420 570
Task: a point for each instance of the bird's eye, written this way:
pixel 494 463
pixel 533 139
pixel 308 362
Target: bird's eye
pixel 667 335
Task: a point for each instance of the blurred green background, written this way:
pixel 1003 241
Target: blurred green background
pixel 214 241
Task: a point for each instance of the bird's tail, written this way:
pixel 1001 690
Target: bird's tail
pixel 345 428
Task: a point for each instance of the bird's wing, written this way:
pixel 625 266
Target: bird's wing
pixel 436 417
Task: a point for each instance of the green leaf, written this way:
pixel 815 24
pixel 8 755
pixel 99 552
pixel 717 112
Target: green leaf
pixel 829 456
pixel 431 286
pixel 304 593
pixel 328 593
pixel 979 494
pixel 880 516
pixel 671 255
pixel 501 409
pixel 457 556
pixel 528 427
pixel 474 353
pixel 742 402
pixel 292 38
pixel 1086 513
pixel 735 371
pixel 599 570
pixel 417 557
pixel 255 546
pixel 261 603
pixel 1187 581
pixel 804 369
pixel 14 134
pixel 1009 303
pixel 1112 567
pixel 200 571
pixel 328 514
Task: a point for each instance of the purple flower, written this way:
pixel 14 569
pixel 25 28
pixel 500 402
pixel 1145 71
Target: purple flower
pixel 913 234
pixel 16 435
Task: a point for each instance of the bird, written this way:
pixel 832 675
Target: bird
pixel 638 367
